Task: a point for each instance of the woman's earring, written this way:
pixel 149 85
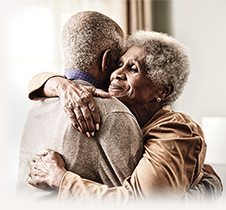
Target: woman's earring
pixel 158 99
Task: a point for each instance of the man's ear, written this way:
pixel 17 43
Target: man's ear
pixel 105 59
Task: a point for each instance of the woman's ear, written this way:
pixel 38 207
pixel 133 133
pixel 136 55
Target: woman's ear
pixel 167 91
pixel 105 58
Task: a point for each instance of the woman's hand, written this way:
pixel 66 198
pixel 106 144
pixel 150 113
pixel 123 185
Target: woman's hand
pixel 47 170
pixel 78 103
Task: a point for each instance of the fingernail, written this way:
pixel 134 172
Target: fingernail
pixel 79 129
pixel 92 134
pixel 97 126
pixel 87 134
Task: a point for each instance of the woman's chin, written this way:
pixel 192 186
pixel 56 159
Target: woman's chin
pixel 114 92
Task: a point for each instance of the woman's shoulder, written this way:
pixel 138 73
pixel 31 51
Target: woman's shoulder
pixel 167 120
pixel 167 115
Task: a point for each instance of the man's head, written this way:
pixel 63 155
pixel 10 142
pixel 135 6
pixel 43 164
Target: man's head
pixel 87 37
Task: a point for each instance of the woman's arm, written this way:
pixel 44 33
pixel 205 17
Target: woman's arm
pixel 209 188
pixel 40 82
pixel 168 167
pixel 48 170
pixel 76 99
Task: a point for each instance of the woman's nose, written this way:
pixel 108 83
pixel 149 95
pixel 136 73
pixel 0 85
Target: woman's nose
pixel 119 74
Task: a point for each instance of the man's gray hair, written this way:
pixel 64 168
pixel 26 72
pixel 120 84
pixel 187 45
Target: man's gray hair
pixel 167 61
pixel 86 36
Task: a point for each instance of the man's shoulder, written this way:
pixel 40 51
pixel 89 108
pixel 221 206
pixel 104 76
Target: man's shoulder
pixel 104 104
pixel 111 105
pixel 49 107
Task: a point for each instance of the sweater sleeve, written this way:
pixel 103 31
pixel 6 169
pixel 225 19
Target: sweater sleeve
pixel 37 82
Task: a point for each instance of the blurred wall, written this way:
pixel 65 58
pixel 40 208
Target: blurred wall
pixel 201 25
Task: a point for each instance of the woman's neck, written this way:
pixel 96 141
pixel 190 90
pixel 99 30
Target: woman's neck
pixel 144 112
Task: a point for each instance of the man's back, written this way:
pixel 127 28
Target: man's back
pixel 107 158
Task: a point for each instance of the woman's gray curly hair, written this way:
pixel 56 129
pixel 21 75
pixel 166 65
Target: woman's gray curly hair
pixel 167 62
pixel 86 36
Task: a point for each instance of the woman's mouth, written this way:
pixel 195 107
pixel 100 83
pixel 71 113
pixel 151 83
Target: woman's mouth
pixel 115 87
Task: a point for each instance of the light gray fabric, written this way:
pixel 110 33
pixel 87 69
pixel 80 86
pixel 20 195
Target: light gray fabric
pixel 108 158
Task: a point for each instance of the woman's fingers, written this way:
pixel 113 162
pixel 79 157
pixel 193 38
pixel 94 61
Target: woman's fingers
pixel 81 120
pixel 47 169
pixel 86 97
pixel 71 114
pixel 95 114
pixel 101 93
pixel 44 152
pixel 86 115
pixel 37 181
pixel 80 106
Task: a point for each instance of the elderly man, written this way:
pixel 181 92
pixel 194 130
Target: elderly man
pixel 92 43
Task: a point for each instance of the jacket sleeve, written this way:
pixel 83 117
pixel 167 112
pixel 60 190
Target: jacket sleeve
pixel 174 156
pixel 37 82
pixel 73 187
pixel 209 188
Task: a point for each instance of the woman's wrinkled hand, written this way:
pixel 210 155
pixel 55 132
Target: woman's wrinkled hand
pixel 80 106
pixel 47 170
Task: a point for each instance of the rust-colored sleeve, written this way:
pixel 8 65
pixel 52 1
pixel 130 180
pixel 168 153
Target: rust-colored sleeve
pixel 37 82
pixel 73 187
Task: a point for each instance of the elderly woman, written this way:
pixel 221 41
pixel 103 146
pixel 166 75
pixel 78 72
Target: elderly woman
pixel 151 75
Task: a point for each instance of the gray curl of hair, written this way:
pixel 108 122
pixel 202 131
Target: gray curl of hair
pixel 167 61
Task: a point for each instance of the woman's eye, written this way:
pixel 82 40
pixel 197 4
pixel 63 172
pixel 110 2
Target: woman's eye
pixel 120 64
pixel 134 68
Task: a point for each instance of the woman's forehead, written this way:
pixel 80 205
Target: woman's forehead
pixel 135 52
